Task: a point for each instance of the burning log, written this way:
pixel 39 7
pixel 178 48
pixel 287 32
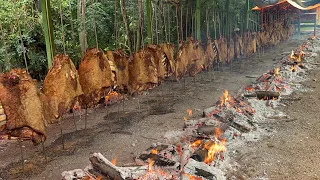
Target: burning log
pixel 158 160
pixel 106 169
pixel 264 95
pixel 119 63
pixel 61 86
pixel 19 96
pixel 95 77
pixel 211 129
pixel 142 70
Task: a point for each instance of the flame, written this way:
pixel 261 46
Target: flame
pixel 150 164
pixel 293 68
pixel 189 111
pixel 313 37
pixel 184 118
pixel 276 71
pixel 225 98
pixel 114 161
pixel 214 148
pixel 196 143
pixel 292 56
pixel 154 151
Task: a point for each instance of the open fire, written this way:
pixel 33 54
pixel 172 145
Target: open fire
pixel 193 154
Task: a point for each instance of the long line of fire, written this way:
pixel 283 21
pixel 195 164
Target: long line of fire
pixel 196 152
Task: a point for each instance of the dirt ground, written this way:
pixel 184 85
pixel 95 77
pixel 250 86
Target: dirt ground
pixel 128 128
pixel 293 151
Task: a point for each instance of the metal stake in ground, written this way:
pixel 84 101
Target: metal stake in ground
pixel 61 132
pixel 85 118
pixel 21 153
pixel 74 119
pixel 44 150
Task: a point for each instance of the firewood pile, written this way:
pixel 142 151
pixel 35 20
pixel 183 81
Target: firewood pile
pixel 198 150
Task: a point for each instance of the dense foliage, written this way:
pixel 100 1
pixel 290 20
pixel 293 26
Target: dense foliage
pixel 171 21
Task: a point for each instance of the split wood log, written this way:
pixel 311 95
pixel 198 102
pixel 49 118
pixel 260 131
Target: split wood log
pixel 158 160
pixel 210 130
pixel 209 111
pixel 264 95
pixel 106 169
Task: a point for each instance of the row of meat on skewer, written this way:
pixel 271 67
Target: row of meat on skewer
pixel 28 109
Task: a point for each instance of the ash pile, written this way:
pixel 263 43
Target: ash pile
pixel 199 151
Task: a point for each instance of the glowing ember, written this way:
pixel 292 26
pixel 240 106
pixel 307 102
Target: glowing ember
pixel 293 68
pixel 192 177
pixel 196 143
pixel 276 71
pixel 154 151
pixel 189 111
pixel 249 89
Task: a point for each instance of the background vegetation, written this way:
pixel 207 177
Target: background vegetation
pixel 111 24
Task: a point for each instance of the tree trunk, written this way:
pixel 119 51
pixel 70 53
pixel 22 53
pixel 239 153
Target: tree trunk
pixel 149 20
pixel 126 24
pixel 163 26
pixel 177 24
pixel 198 30
pixel 82 33
pixel 139 30
pixel 246 16
pixel 227 27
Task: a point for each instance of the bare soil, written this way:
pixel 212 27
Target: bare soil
pixel 128 128
pixel 293 151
